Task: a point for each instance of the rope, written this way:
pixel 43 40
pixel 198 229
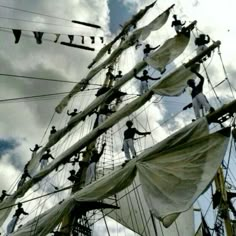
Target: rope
pixel 42 14
pixel 225 72
pixel 209 81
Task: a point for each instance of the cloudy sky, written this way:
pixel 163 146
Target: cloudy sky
pixel 24 122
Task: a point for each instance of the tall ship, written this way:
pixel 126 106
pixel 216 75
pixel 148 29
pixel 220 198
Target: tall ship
pixel 120 138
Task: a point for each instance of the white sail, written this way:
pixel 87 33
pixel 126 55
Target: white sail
pixel 163 184
pixel 125 29
pixel 130 41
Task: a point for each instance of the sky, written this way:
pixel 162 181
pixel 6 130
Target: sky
pixel 25 123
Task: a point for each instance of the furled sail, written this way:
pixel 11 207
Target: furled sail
pixel 167 84
pixel 5 209
pixel 125 29
pixel 79 145
pixel 165 54
pixel 171 180
pixel 130 41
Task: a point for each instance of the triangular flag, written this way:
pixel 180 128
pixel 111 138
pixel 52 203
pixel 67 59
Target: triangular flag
pixel 38 36
pixel 17 34
pixel 92 39
pixel 57 37
pixel 71 37
pixel 82 39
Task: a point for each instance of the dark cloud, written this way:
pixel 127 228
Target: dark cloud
pixel 7 144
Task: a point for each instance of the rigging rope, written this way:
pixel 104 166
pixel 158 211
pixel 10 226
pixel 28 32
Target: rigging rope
pixel 42 14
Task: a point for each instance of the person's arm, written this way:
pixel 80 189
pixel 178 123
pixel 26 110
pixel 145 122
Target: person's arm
pixel 135 74
pixel 102 150
pixel 68 113
pixel 31 150
pixel 198 75
pixel 208 38
pixel 155 47
pixel 142 133
pixel 51 157
pixel 172 24
pixel 25 213
pixel 182 24
pixel 154 78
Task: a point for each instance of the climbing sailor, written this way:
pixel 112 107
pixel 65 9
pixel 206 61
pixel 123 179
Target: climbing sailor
pixel 177 24
pixel 24 177
pixel 201 42
pixel 4 194
pixel 144 81
pixel 72 178
pixel 91 171
pixel 53 130
pixel 36 148
pixel 73 113
pixel 44 159
pixel 148 49
pixel 129 140
pixel 109 77
pixel 16 216
pixel 198 98
pixel 103 113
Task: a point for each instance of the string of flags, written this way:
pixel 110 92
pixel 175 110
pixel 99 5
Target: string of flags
pixel 39 36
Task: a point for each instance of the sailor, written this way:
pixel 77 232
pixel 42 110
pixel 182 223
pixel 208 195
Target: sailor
pixel 73 178
pixel 44 159
pixel 91 171
pixel 109 77
pixel 4 194
pixel 148 49
pixel 23 177
pixel 16 216
pixel 177 24
pixel 73 113
pixel 144 81
pixel 129 140
pixel 118 76
pixel 36 148
pixel 199 99
pixel 53 130
pixel 201 42
pixel 103 113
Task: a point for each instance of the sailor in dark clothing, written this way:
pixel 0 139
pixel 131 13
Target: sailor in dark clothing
pixel 44 159
pixel 201 42
pixel 109 77
pixel 129 139
pixel 177 24
pixel 103 113
pixel 4 194
pixel 36 148
pixel 91 171
pixel 73 178
pixel 73 113
pixel 199 99
pixel 148 49
pixel 144 81
pixel 23 177
pixel 16 216
pixel 53 130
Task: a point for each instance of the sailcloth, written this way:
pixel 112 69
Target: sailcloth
pixel 173 174
pixel 165 54
pixel 130 41
pixel 5 208
pixel 125 29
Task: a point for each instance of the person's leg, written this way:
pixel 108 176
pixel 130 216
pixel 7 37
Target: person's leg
pixel 126 149
pixel 203 101
pixel 196 107
pixel 131 146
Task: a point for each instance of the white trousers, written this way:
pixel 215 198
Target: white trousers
pixel 178 28
pixel 43 163
pixel 201 49
pixel 101 118
pixel 11 225
pixel 198 102
pixel 129 145
pixel 143 87
pixel 90 173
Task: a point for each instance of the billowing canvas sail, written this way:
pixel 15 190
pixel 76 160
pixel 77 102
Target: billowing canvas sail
pixel 167 53
pixel 190 149
pixel 130 41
